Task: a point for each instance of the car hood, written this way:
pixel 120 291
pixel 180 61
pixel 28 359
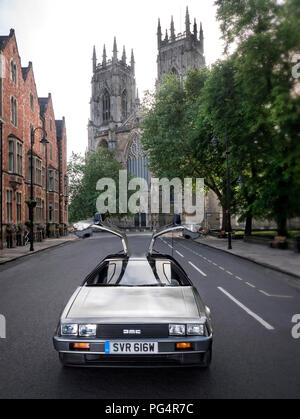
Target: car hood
pixel 144 303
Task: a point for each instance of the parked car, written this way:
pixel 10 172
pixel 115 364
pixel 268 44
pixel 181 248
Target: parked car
pixel 135 310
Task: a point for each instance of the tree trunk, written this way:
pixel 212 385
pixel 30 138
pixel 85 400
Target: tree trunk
pixel 248 227
pixel 282 226
pixel 224 219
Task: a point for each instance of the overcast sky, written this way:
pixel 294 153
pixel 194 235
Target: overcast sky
pixel 58 37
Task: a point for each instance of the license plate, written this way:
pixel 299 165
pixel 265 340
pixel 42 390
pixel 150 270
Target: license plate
pixel 131 348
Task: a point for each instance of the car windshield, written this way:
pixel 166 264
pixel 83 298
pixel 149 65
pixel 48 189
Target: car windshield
pixel 137 273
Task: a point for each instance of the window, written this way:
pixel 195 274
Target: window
pixel 50 124
pixel 13 72
pixel 31 102
pixel 11 156
pixel 66 186
pixel 29 169
pixel 43 177
pixel 19 207
pixel 19 158
pixel 56 180
pixel 56 220
pixel 51 212
pixel 38 171
pixel 106 106
pixel 51 180
pixel 9 199
pixel 13 111
pixel 124 104
pixel 39 211
pixel 50 151
pixel 15 157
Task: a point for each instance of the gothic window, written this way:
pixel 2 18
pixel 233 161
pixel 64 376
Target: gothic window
pixel 137 163
pixel 51 181
pixel 9 203
pixel 13 72
pixel 124 104
pixel 11 156
pixel 106 106
pixel 31 101
pixel 13 111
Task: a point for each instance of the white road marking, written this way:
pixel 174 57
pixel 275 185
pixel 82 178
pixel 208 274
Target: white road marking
pixel 221 268
pixel 179 254
pixel 229 273
pixel 197 269
pixel 237 277
pixel 251 313
pixel 250 285
pixel 277 296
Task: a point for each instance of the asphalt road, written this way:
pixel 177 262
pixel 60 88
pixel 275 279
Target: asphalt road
pixel 254 356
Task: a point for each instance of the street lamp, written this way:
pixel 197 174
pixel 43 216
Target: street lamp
pixel 45 142
pixel 32 203
pixel 215 142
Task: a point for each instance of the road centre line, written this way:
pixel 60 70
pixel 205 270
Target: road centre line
pixel 250 285
pixel 251 313
pixel 197 269
pixel 179 254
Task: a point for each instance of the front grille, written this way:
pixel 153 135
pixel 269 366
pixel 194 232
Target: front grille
pixel 144 360
pixel 148 331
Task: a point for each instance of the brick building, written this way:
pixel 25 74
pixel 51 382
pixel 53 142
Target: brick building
pixel 21 113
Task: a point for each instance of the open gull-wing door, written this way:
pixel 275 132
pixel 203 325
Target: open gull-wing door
pixel 166 230
pixel 80 227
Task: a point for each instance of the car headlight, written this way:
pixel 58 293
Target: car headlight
pixel 177 329
pixel 69 329
pixel 87 330
pixel 196 329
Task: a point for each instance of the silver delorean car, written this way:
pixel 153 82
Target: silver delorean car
pixel 135 310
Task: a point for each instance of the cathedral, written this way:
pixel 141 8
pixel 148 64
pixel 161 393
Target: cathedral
pixel 114 107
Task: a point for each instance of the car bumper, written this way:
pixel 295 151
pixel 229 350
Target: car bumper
pixel 167 355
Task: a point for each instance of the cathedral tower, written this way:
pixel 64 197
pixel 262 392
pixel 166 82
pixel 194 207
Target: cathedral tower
pixel 113 97
pixel 179 53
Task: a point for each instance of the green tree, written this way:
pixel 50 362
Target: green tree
pixel 265 33
pixel 84 174
pixel 177 134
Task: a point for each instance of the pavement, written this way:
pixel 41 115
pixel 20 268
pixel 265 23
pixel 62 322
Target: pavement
pixel 256 341
pixel 8 255
pixel 286 261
